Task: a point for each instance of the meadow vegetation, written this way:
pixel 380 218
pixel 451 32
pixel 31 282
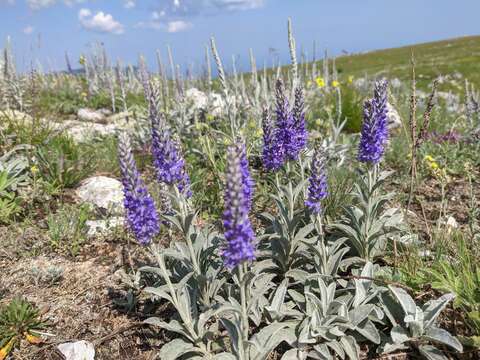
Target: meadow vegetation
pixel 321 210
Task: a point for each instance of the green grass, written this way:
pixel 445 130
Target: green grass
pixel 432 59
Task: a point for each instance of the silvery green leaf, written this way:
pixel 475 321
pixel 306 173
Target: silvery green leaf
pixel 431 352
pixel 275 308
pixel 399 335
pixel 160 292
pixel 351 347
pixel 173 326
pixel 176 348
pixel 267 339
pixel 297 275
pixel 304 232
pixel 151 269
pixel 335 346
pixel 405 300
pixel 224 356
pixel 304 334
pixel 359 314
pixel 433 308
pixel 444 337
pixel 335 331
pixel 392 309
pixel 181 253
pixel 233 332
pixel 294 354
pixel 369 331
pixel 262 266
pixel 387 348
pixel 323 351
pixel 298 297
pixel 415 327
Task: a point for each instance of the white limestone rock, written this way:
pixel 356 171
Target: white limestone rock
pixel 80 350
pixel 102 192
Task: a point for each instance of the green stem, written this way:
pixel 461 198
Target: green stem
pixel 244 316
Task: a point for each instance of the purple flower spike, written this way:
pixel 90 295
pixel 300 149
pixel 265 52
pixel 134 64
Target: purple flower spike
pixel 317 189
pixel 249 184
pixel 167 157
pixel 238 231
pixel 374 133
pixel 285 124
pixel 272 153
pixel 301 134
pixel 141 214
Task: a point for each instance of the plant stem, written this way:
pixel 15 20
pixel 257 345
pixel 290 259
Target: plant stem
pixel 243 301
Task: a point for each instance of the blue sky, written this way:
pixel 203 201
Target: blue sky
pixel 45 29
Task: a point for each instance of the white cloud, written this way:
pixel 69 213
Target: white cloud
pixel 173 26
pixel 100 22
pixel 129 4
pixel 28 30
pixel 43 4
pixel 177 26
pixel 40 4
pixel 156 15
pixel 155 25
pixel 195 7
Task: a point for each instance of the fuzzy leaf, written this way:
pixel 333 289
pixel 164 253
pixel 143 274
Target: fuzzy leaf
pixel 176 348
pixel 294 354
pixel 399 335
pixel 444 337
pixel 431 353
pixel 405 300
pixel 433 308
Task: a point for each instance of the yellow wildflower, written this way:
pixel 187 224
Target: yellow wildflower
pixel 350 79
pixel 6 349
pixel 210 117
pixel 429 158
pixel 320 82
pixel 318 122
pixel 433 165
pixel 34 169
pixel 32 339
pixel 335 83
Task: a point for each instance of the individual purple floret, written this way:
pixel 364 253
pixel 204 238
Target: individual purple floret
pixel 238 231
pixel 317 188
pixel 374 133
pixel 272 153
pixel 141 214
pixel 286 133
pixel 247 180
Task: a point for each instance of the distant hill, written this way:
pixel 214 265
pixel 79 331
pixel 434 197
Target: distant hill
pixel 432 59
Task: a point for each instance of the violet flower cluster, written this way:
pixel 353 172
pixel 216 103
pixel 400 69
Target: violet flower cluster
pixel 301 134
pixel 272 152
pixel 285 123
pixel 239 235
pixel 317 188
pixel 374 134
pixel 167 157
pixel 249 184
pixel 141 214
pixel 285 139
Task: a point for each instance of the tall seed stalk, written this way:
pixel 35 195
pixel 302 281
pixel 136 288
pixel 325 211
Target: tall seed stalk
pixel 417 138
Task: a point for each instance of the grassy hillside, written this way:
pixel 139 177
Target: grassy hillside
pixel 444 57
